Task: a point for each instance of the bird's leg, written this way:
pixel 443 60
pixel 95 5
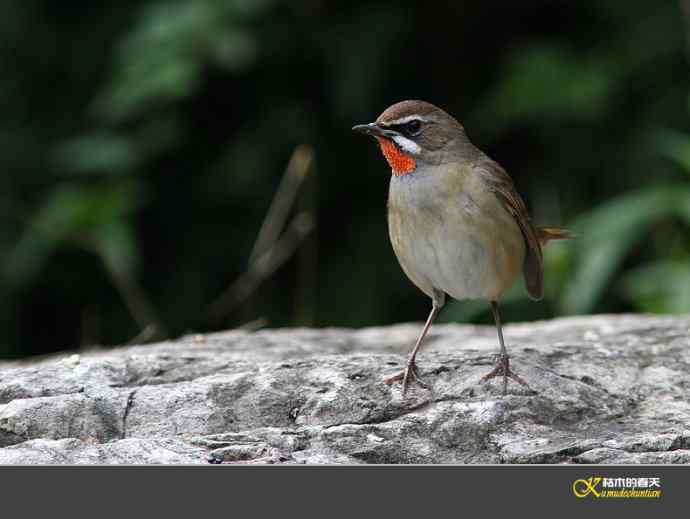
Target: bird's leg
pixel 502 368
pixel 410 371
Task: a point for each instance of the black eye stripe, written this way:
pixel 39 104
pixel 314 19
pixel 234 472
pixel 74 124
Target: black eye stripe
pixel 409 128
pixel 413 126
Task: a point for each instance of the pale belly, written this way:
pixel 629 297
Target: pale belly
pixel 466 249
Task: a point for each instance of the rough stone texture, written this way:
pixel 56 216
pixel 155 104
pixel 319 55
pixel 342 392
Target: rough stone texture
pixel 605 389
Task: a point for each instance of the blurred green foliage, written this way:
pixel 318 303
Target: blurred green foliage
pixel 142 142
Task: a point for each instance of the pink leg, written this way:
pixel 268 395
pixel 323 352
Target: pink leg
pixel 410 371
pixel 502 368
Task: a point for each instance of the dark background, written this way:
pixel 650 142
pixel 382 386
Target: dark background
pixel 141 145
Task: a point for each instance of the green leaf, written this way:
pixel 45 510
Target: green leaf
pixel 607 234
pixel 674 145
pixel 551 82
pixel 95 217
pixel 116 244
pixel 660 287
pixel 162 59
pixel 100 153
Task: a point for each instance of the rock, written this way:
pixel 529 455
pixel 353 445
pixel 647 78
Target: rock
pixel 603 389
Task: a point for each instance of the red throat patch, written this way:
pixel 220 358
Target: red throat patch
pixel 401 163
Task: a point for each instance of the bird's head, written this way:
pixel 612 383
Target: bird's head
pixel 415 133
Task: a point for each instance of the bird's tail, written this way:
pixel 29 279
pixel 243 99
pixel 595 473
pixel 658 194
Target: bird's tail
pixel 546 234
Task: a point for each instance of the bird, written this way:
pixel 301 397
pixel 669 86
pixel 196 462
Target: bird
pixel 456 222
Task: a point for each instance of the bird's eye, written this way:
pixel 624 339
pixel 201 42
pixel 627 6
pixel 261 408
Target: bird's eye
pixel 413 127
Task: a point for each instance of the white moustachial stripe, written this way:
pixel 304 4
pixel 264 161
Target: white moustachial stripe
pixel 407 145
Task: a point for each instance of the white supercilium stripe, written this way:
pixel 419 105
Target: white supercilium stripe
pixel 406 119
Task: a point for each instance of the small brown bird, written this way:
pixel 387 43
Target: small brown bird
pixel 457 225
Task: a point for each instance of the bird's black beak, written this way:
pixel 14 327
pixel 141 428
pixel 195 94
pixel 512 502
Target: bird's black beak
pixel 374 130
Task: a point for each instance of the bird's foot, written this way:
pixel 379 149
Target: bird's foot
pixel 502 369
pixel 408 375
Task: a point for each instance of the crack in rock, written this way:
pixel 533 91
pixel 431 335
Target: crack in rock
pixel 125 414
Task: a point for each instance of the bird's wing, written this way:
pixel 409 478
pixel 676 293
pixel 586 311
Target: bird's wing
pixel 502 186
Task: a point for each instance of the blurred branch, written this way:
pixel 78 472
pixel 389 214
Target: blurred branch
pixel 304 305
pixel 139 306
pixel 269 251
pixel 263 266
pixel 254 325
pixel 297 169
pixel 148 333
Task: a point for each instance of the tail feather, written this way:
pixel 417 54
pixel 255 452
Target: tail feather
pixel 546 234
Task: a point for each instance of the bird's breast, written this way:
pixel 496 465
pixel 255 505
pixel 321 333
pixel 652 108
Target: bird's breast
pixel 449 233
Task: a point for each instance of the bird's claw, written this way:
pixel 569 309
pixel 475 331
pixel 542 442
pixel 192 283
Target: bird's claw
pixel 408 375
pixel 502 369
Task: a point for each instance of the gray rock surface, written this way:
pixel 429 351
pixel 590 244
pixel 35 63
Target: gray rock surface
pixel 604 389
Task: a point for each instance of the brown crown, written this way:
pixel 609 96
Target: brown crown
pixel 406 108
